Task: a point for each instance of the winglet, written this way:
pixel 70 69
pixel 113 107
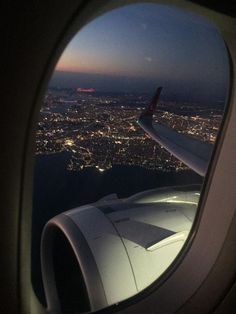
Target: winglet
pixel 148 112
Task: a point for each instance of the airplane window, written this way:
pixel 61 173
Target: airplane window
pixel 124 139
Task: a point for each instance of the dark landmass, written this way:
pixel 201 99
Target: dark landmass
pixel 174 90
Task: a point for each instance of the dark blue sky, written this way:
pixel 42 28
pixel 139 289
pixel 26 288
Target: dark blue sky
pixel 136 47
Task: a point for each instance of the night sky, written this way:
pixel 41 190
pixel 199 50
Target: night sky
pixel 137 47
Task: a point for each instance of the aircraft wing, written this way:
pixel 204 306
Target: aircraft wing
pixel 192 152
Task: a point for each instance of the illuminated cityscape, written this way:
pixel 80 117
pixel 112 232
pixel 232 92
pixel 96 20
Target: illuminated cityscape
pixel 100 130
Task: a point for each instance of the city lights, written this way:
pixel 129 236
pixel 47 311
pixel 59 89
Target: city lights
pixel 101 131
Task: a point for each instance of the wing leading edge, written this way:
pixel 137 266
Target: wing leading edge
pixel 193 153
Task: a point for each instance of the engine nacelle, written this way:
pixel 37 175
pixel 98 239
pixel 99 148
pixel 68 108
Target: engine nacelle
pixel 100 254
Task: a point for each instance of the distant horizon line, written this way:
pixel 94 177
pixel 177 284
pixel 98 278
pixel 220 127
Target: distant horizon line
pixel 100 91
pixel 165 99
pixel 182 90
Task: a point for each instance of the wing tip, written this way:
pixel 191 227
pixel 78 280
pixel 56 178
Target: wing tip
pixel 149 110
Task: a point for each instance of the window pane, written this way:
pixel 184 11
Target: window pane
pixel 132 154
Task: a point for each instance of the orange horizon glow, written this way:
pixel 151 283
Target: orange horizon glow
pixel 99 70
pixel 93 71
